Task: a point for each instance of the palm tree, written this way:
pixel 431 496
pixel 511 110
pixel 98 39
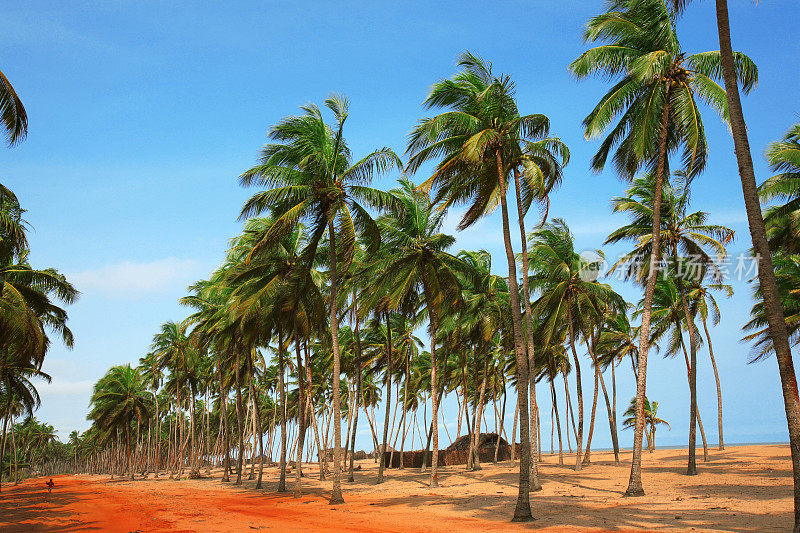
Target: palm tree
pixel 787 272
pixel 541 163
pixel 783 221
pixel 655 100
pixel 669 318
pixel 616 342
pixel 683 234
pixel 119 398
pixel 568 296
pixel 414 261
pixel 729 67
pixel 172 347
pixel 475 139
pixel 651 419
pixel 313 178
pixel 12 112
pixel 702 297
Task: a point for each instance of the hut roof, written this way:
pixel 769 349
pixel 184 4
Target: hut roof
pixel 485 439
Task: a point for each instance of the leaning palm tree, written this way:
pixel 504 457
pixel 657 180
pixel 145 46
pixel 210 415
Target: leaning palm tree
pixel 655 100
pixel 415 260
pixel 475 140
pixel 766 271
pixel 312 178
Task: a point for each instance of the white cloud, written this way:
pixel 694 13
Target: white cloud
pixel 59 387
pixel 129 278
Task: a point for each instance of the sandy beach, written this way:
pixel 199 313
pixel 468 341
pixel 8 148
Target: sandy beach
pixel 744 488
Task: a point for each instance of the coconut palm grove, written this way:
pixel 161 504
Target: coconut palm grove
pixel 349 350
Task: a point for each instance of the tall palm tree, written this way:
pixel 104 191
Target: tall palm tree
pixel 683 234
pixel 415 260
pixel 537 172
pixel 770 290
pixel 656 102
pixel 701 294
pixel 473 140
pixel 313 178
pixel 568 296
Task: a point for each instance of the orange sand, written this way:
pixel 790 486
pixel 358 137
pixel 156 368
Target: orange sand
pixel 746 488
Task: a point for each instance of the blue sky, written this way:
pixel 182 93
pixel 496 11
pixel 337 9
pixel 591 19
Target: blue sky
pixel 142 115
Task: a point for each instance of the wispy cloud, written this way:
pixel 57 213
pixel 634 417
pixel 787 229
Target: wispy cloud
pixel 60 387
pixel 129 278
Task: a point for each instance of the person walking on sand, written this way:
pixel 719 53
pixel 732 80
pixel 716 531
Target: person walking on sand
pixel 50 486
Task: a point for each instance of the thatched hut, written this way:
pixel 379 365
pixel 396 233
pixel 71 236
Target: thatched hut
pixel 457 453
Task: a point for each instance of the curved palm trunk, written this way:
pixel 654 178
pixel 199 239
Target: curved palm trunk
pixel 558 423
pixel 691 469
pixel 526 295
pixel 522 511
pixel 612 414
pixel 635 487
pixel 194 469
pixel 614 436
pixel 719 387
pixel 587 455
pixel 336 493
pixel 766 273
pixel 478 417
pixel 578 385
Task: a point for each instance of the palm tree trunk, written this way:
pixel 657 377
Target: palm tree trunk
pixel 766 273
pixel 513 432
pixel 526 296
pixel 350 476
pixel 301 413
pixel 719 387
pixel 382 458
pixel 635 487
pixel 239 416
pixel 336 492
pixel 257 418
pixel 614 434
pixel 522 511
pixel 578 385
pixel 558 423
pixel 434 481
pixel 587 460
pixel 699 421
pixel 282 395
pixel 691 469
pixel 223 413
